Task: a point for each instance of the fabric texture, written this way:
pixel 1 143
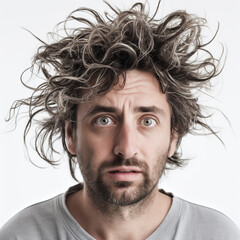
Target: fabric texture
pixel 52 220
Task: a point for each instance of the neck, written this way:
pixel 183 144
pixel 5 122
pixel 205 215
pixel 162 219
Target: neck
pixel 108 221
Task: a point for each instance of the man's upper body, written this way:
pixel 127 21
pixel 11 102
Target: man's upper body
pixel 52 220
pixel 119 95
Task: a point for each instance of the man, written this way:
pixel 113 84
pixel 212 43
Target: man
pixel 119 93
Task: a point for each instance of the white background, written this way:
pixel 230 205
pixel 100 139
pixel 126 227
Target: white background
pixel 212 178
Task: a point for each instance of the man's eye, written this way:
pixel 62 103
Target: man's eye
pixel 148 122
pixel 103 121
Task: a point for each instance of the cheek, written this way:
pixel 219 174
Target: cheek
pixel 156 143
pixel 155 154
pixel 159 157
pixel 93 149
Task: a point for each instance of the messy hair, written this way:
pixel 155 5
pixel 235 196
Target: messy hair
pixel 87 61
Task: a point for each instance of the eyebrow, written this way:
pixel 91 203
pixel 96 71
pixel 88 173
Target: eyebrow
pixel 151 109
pixel 141 109
pixel 99 108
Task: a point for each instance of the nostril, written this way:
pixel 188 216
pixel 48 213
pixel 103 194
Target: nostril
pixel 120 155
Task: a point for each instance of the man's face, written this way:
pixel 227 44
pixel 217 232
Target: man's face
pixel 123 139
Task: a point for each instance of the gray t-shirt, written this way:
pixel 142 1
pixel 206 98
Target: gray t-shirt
pixel 51 220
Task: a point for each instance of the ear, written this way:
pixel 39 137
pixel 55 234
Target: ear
pixel 173 144
pixel 70 140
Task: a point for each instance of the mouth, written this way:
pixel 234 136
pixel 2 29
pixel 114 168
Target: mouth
pixel 124 173
pixel 125 169
pixel 118 171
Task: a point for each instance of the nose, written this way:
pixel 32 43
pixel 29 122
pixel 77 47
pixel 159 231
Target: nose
pixel 126 141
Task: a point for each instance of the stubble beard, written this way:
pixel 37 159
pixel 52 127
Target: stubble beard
pixel 122 193
pixel 104 194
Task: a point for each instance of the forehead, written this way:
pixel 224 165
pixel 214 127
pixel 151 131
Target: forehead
pixel 136 82
pixel 141 89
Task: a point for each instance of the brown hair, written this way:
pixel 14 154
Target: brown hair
pixel 88 60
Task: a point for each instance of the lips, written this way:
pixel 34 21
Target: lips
pixel 124 173
pixel 124 169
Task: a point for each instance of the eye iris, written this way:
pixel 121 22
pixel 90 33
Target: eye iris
pixel 104 121
pixel 147 122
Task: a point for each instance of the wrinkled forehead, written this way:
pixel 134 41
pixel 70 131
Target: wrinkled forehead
pixel 135 80
pixel 137 89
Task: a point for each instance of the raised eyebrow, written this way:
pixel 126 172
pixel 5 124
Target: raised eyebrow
pixel 98 109
pixel 151 109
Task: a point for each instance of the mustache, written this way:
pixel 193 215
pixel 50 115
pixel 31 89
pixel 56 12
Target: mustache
pixel 119 161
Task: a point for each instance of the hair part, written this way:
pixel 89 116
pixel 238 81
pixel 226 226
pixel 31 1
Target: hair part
pixel 89 59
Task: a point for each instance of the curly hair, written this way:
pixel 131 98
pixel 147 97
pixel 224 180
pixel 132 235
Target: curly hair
pixel 88 60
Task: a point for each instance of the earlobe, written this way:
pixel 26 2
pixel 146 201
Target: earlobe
pixel 173 144
pixel 69 138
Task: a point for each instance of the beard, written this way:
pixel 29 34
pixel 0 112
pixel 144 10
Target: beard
pixel 121 193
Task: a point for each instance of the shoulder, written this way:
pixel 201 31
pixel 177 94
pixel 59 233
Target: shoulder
pixel 207 222
pixel 32 222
